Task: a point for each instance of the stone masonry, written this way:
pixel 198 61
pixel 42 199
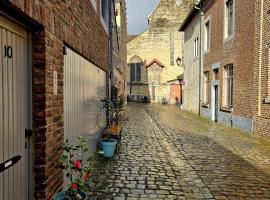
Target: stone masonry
pixel 161 41
pixel 171 154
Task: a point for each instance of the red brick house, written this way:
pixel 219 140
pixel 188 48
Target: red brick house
pixel 234 82
pixel 54 72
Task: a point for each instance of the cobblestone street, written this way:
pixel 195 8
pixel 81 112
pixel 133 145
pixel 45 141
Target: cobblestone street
pixel 166 153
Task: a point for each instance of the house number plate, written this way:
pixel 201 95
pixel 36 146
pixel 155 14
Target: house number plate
pixel 8 51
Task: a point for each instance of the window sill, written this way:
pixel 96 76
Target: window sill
pixel 226 109
pixel 196 58
pixel 266 100
pixel 228 38
pixel 205 105
pixel 206 51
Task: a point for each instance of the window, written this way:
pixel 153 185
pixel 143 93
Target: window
pixel 104 10
pixel 172 49
pixel 196 47
pixel 229 18
pixel 135 71
pixel 228 83
pixel 132 71
pixel 207 36
pixel 205 87
pixel 138 71
pixel 94 3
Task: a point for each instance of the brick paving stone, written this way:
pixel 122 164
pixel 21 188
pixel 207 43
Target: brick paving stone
pixel 169 154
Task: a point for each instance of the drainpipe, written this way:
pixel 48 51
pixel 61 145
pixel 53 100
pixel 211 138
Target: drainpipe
pixel 110 47
pixel 198 6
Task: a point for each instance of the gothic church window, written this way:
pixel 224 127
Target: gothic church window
pixel 135 69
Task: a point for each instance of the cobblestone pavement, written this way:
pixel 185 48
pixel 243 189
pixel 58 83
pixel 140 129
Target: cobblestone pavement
pixel 166 153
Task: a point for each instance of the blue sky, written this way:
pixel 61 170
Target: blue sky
pixel 137 12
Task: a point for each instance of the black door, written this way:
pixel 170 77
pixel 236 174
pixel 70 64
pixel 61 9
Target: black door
pixel 216 103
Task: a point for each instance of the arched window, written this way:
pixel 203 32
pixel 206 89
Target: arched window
pixel 135 69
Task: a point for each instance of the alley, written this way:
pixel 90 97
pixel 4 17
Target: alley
pixel 175 155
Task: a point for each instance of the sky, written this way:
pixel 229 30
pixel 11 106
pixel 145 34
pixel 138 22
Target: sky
pixel 137 13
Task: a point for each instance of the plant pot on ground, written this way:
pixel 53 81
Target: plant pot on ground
pixel 77 168
pixel 108 144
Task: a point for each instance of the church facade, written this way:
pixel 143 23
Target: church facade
pixel 155 72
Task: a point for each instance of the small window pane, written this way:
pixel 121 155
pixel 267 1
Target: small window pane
pixel 138 71
pixel 132 72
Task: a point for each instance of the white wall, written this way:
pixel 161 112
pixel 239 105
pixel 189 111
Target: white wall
pixel 191 73
pixel 84 88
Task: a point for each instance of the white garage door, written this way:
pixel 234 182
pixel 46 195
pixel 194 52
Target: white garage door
pixel 84 88
pixel 13 111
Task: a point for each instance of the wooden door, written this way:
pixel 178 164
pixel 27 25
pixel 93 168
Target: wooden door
pixel 13 110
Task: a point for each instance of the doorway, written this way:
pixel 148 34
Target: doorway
pixel 14 111
pixel 153 92
pixel 215 100
pixel 216 103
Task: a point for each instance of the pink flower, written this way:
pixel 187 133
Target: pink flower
pixel 78 164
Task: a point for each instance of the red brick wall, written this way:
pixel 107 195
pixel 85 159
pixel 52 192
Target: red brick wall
pixel 238 51
pixel 71 22
pixel 119 34
pixel 261 71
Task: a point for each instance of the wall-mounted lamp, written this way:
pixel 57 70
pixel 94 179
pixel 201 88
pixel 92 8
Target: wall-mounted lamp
pixel 179 62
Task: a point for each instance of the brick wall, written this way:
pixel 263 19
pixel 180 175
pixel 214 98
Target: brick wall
pixel 53 24
pixel 238 51
pixel 120 45
pixel 261 78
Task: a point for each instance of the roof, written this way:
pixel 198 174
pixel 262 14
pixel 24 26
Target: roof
pixel 188 18
pixel 155 61
pixel 131 37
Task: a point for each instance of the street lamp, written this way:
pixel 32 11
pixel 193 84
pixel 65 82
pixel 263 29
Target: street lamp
pixel 179 62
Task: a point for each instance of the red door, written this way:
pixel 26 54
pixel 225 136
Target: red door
pixel 175 92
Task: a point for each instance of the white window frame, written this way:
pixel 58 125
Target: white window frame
pixel 207 35
pixel 102 19
pixel 228 86
pixel 227 36
pixel 196 48
pixel 94 3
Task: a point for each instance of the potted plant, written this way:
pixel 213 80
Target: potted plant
pixel 118 103
pixel 77 168
pixel 108 144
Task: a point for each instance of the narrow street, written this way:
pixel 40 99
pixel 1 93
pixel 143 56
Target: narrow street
pixel 176 155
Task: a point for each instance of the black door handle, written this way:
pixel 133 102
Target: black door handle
pixel 7 164
pixel 28 133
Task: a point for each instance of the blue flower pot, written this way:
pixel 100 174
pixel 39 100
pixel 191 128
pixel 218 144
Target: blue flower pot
pixel 62 196
pixel 108 147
